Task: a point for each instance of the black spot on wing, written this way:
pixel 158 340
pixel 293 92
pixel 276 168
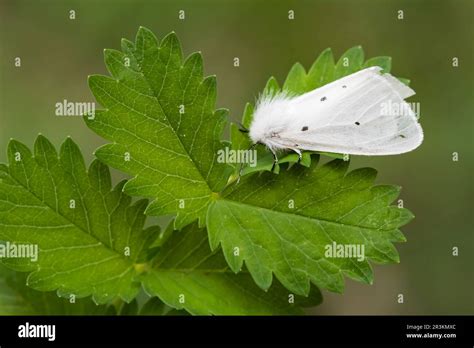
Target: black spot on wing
pixel 357 123
pixel 305 128
pixel 402 136
pixel 323 98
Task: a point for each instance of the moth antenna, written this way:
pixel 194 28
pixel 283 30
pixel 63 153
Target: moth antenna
pixel 242 128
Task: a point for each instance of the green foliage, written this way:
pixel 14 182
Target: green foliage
pixel 227 241
pixel 283 223
pixel 187 274
pixel 142 101
pixel 83 227
pixel 82 249
pixel 160 117
pixel 329 205
pixel 16 298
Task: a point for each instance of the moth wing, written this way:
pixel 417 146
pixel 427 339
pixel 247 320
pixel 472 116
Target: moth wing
pixel 361 114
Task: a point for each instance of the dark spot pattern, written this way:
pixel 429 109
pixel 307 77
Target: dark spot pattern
pixel 402 136
pixel 305 128
pixel 357 123
pixel 323 98
pixel 344 86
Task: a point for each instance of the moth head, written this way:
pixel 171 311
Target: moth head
pixel 269 118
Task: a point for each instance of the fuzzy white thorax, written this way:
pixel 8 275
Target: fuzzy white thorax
pixel 270 118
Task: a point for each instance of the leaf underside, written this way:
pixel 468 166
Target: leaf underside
pixel 18 299
pixel 188 275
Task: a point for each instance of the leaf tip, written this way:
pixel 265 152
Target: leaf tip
pixel 397 188
pixel 90 80
pixel 170 36
pixel 13 142
pixel 68 144
pixel 41 138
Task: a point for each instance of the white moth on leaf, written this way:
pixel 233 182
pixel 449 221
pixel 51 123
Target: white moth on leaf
pixel 353 115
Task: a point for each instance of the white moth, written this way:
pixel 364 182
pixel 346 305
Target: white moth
pixel 361 114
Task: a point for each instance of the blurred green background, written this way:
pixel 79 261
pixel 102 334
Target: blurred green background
pixel 57 54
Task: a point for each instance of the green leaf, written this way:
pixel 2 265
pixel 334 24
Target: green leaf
pixel 248 111
pixel 256 216
pixel 152 307
pixel 155 306
pixel 350 62
pixel 159 115
pixel 271 88
pixel 322 71
pixel 384 62
pixel 18 299
pixel 405 81
pixel 296 80
pixel 81 226
pixel 187 275
pixel 282 225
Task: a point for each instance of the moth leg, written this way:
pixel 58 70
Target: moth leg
pixel 275 160
pixel 300 155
